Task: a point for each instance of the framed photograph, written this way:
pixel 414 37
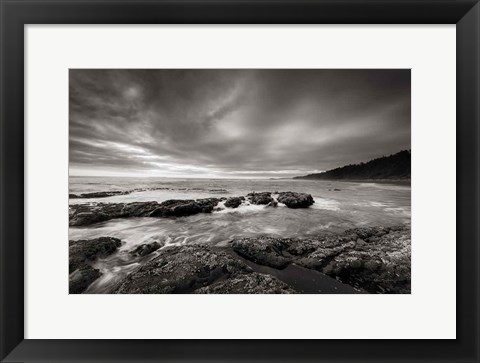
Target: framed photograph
pixel 240 181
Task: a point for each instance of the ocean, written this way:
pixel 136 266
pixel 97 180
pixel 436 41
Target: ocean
pixel 339 205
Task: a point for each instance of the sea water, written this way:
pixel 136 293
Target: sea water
pixel 339 205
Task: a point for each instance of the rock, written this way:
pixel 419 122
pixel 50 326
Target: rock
pixel 295 200
pixel 146 249
pixel 80 279
pixel 176 208
pixel 373 265
pixel 355 263
pixel 182 269
pixel 384 267
pixel 260 198
pixel 73 196
pixel 201 269
pixel 84 251
pixel 360 242
pixel 85 214
pixel 91 213
pixel 137 209
pixel 181 208
pixel 110 193
pixel 381 266
pixel 273 203
pixel 234 202
pixel 252 283
pixel 280 252
pixel 263 250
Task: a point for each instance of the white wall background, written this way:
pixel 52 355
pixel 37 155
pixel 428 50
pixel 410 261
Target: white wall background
pixel 429 312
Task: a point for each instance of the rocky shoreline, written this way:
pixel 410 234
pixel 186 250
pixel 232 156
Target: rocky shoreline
pixel 112 193
pixel 373 260
pixel 91 213
pixel 82 254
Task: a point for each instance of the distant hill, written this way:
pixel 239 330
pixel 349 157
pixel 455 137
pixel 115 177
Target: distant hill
pixel 396 166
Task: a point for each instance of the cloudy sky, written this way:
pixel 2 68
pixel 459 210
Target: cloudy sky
pixel 234 123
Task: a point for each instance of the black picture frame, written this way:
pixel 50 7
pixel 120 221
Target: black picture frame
pixel 15 14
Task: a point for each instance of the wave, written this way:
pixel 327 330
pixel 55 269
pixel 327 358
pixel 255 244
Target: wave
pixel 245 207
pixel 328 204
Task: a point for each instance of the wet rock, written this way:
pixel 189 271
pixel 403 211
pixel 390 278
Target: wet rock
pixel 85 214
pixel 355 263
pixel 181 208
pixel 280 252
pixel 373 265
pixel 380 266
pixel 295 200
pixel 110 193
pixel 81 278
pixel 182 269
pixel 146 249
pixel 263 250
pixel 234 202
pixel 360 242
pixel 260 198
pixel 176 208
pixel 252 283
pixel 273 203
pixel 201 269
pixel 82 252
pixel 91 213
pixel 136 209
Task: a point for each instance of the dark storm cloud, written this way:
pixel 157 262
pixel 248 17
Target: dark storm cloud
pixel 234 122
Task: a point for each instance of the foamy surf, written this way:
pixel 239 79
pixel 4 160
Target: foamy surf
pixel 329 204
pixel 243 208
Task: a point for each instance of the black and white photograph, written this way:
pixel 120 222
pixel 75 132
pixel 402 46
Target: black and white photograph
pixel 239 181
